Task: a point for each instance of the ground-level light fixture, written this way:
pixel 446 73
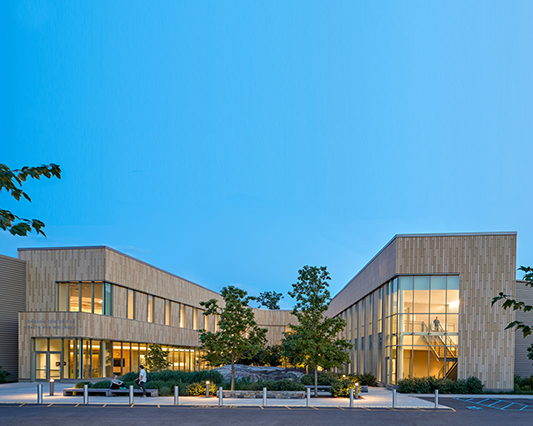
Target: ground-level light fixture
pixel 207 389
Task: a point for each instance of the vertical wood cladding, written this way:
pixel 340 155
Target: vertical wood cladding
pixel 47 266
pixel 487 265
pixel 523 365
pixel 12 301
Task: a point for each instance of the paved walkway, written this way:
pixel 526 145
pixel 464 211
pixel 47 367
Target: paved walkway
pixel 26 393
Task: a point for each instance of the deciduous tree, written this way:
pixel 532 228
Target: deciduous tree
pixel 237 333
pixel 314 342
pixel 270 299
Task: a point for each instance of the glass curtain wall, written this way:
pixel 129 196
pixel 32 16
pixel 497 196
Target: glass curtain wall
pixel 412 322
pixel 92 297
pixel 94 359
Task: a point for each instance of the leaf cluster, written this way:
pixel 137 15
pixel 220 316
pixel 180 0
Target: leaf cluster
pixel 270 299
pixel 516 305
pixel 156 358
pixel 11 181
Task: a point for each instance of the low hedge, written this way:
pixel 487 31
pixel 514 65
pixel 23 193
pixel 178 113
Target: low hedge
pixel 472 385
pixel 179 376
pixel 341 388
pixel 199 389
pixel 277 385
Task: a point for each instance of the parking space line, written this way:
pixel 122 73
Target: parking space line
pixel 76 405
pixel 287 407
pixel 512 403
pixel 104 405
pixel 340 408
pixel 49 405
pixel 315 408
pixel 22 404
pixel 494 403
pixel 479 402
pixel 525 406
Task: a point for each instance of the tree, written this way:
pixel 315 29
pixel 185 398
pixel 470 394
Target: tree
pixel 314 342
pixel 11 181
pixel 516 305
pixel 238 332
pixel 270 299
pixel 156 358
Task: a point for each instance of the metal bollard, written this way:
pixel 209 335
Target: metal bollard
pixel 220 396
pixel 436 398
pixel 39 393
pixel 308 399
pixel 351 398
pixel 264 397
pixel 207 389
pixel 176 396
pixel 357 391
pixel 132 393
pixel 51 387
pixel 394 398
pixel 85 394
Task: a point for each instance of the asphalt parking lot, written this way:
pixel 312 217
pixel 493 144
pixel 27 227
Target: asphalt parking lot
pixel 108 414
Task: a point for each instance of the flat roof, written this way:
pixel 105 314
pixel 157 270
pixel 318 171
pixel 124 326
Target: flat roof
pixel 450 234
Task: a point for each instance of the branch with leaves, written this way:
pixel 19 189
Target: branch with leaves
pixel 269 299
pixel 516 305
pixel 11 181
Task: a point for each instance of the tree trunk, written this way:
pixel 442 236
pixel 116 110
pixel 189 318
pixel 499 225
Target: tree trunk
pixel 232 371
pixel 316 381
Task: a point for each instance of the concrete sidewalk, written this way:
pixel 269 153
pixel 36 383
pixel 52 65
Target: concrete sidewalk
pixel 26 393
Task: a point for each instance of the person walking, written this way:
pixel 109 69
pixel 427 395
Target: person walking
pixel 141 381
pixel 436 324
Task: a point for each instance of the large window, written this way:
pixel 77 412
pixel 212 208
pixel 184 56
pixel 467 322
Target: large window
pixel 167 312
pixel 92 297
pixel 150 316
pixel 131 305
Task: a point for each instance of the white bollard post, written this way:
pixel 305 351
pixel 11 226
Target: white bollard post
pixel 394 398
pixel 264 397
pixel 132 393
pixel 436 398
pixel 207 389
pixel 51 387
pixel 176 396
pixel 357 391
pixel 39 393
pixel 351 398
pixel 220 396
pixel 308 399
pixel 85 394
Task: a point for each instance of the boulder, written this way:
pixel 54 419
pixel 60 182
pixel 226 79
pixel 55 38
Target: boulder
pixel 260 373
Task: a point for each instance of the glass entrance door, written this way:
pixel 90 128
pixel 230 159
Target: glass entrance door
pixel 47 365
pixel 41 365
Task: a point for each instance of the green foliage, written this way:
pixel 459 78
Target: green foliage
pixel 269 355
pixel 516 305
pixel 324 378
pixel 269 299
pixel 472 385
pixel 164 381
pixel 238 331
pixel 3 375
pixel 156 358
pixel 11 182
pixel 199 389
pixel 80 385
pixel 523 385
pixel 341 388
pixel 102 384
pixel 366 379
pixel 314 342
pixel 277 385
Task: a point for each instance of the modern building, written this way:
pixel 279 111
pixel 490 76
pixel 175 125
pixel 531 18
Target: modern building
pixel 421 307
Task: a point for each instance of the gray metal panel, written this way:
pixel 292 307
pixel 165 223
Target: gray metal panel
pixel 12 301
pixel 522 365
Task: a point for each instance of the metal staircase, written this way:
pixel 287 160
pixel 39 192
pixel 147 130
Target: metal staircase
pixel 443 348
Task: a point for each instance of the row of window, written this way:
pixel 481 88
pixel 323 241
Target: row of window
pixel 98 298
pixel 91 359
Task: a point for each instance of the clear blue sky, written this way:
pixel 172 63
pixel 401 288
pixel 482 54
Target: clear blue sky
pixel 234 142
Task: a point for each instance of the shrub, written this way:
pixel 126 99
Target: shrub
pixel 341 388
pixel 324 378
pixel 429 384
pixel 366 379
pixel 277 385
pixel 80 385
pixel 199 389
pixel 180 376
pixel 102 384
pixel 3 375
